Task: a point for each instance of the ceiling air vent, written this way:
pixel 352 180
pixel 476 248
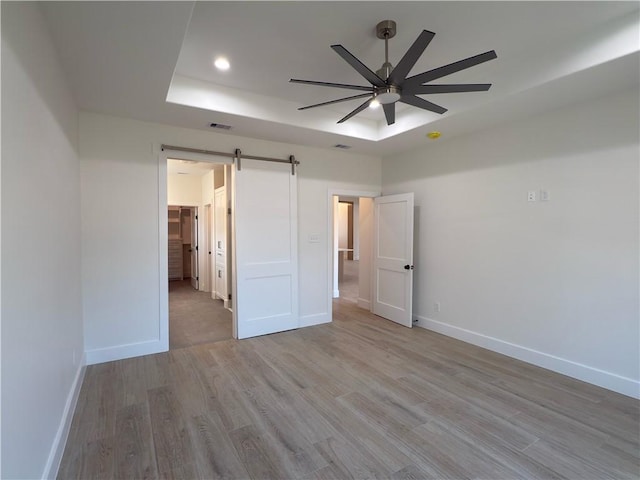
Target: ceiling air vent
pixel 344 147
pixel 221 126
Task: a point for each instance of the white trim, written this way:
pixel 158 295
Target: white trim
pixel 60 441
pixel 119 352
pixel 595 376
pixel 330 237
pixel 315 319
pixel 366 304
pixel 163 255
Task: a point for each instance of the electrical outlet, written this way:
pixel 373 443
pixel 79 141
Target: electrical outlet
pixel 531 196
pixel 436 307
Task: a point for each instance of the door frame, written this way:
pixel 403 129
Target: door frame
pixel 332 233
pixel 207 276
pixel 163 235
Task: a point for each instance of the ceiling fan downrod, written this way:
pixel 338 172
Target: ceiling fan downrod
pixel 385 30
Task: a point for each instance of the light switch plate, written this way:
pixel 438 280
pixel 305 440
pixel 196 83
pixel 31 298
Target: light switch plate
pixel 314 238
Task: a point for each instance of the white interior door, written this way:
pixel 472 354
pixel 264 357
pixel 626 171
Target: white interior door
pixel 194 248
pixel 393 258
pixel 266 248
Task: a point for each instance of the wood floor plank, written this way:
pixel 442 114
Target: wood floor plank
pixel 282 432
pixel 96 461
pixel 358 432
pixel 349 462
pixel 259 460
pixel 214 453
pixel 173 449
pixel 134 451
pixel 361 397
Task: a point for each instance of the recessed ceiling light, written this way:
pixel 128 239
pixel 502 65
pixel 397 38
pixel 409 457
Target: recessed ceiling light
pixel 222 63
pixel 374 103
pixel 434 135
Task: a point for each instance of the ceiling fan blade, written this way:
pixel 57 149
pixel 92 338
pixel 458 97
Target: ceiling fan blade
pixel 449 69
pixel 346 99
pixel 428 89
pixel 422 103
pixel 390 112
pixel 328 84
pixel 360 67
pixel 356 111
pixel 410 58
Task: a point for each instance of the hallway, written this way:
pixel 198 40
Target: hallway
pixel 349 284
pixel 195 318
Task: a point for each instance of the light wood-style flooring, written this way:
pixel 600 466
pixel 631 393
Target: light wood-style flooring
pixel 358 398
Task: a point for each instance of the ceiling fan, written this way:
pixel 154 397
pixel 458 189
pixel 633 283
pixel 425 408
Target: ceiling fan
pixel 390 85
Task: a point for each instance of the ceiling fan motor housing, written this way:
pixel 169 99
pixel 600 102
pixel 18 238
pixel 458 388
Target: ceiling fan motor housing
pixel 385 71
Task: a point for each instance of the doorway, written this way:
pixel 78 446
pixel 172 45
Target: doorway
pixel 197 314
pixel 381 239
pixel 350 243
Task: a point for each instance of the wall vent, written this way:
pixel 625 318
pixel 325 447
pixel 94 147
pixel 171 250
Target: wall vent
pixel 221 126
pixel 342 146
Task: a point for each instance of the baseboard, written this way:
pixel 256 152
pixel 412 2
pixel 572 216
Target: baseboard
pixel 315 319
pixel 595 376
pixel 366 304
pixel 60 441
pixel 119 352
pixel 336 294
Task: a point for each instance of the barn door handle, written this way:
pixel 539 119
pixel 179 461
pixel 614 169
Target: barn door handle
pixel 408 267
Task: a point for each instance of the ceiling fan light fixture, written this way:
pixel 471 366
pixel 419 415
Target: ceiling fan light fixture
pixel 374 103
pixel 388 95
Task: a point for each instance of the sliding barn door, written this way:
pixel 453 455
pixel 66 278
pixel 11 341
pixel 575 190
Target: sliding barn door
pixel 266 248
pixel 393 258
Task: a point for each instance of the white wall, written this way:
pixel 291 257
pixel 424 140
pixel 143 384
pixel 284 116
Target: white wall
pixel 120 174
pixel 365 265
pixel 42 342
pixel 554 283
pixel 356 229
pixel 207 188
pixel 343 225
pixel 184 190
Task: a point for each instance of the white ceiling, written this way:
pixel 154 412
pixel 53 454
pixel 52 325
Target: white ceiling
pixel 129 58
pixel 190 167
